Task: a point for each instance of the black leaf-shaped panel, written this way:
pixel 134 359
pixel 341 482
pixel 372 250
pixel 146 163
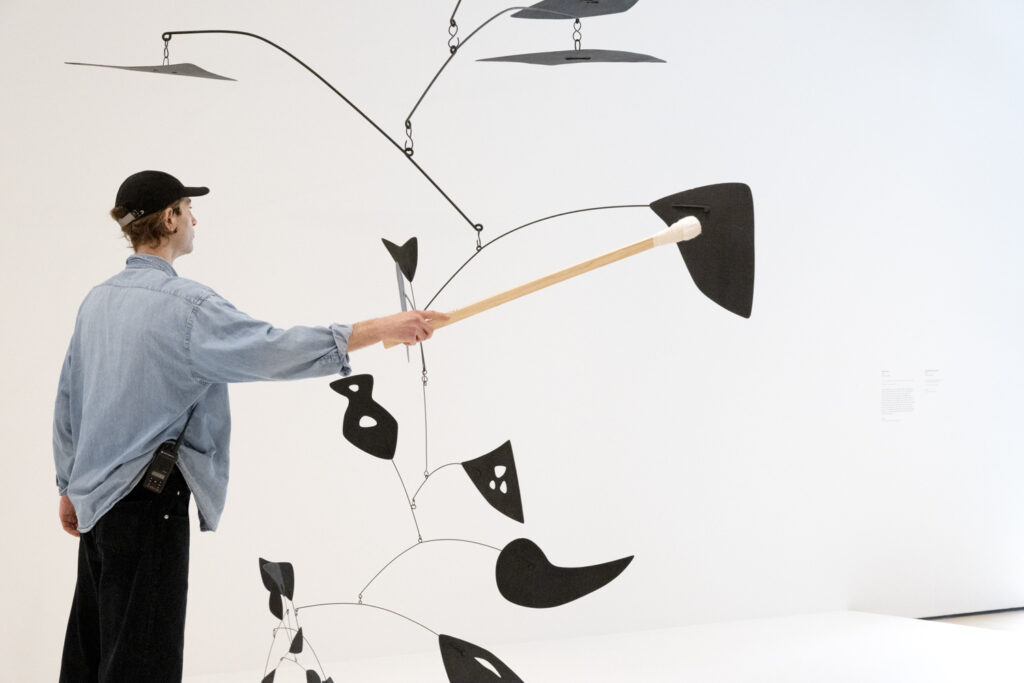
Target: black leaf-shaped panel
pixel 278 575
pixel 495 476
pixel 405 256
pixel 297 641
pixel 462 663
pixel 367 425
pixel 721 258
pixel 276 606
pixel 526 577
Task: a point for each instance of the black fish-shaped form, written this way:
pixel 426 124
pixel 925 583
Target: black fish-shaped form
pixel 462 663
pixel 494 475
pixel 721 259
pixel 184 69
pixel 525 576
pixel 575 57
pixel 577 9
pixel 405 256
pixel 379 439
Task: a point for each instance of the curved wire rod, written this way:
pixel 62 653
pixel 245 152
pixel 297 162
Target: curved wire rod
pixel 167 36
pixel 305 640
pixel 366 604
pixel 454 11
pixel 428 475
pixel 412 506
pixel 526 225
pixel 408 119
pixel 433 540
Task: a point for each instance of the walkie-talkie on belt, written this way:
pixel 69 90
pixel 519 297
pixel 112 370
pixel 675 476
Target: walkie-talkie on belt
pixel 164 460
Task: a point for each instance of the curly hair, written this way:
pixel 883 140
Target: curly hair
pixel 147 231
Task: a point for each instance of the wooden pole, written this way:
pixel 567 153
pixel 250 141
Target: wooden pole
pixel 685 229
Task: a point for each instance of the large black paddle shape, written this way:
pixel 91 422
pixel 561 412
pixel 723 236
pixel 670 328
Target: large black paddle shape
pixel 721 258
pixel 495 476
pixel 462 663
pixel 367 425
pixel 525 576
pixel 579 9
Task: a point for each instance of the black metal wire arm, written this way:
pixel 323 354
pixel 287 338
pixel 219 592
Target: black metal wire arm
pixel 408 119
pixel 168 34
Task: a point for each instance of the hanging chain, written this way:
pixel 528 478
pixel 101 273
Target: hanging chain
pixel 453 36
pixel 577 34
pixel 479 229
pixel 409 144
pixel 167 53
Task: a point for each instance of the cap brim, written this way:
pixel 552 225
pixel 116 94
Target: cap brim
pixel 195 191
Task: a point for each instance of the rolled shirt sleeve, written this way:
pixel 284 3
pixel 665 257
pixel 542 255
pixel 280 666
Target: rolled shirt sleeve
pixel 226 345
pixel 63 439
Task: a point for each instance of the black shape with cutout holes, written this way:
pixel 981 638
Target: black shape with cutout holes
pixel 502 492
pixel 380 439
pixel 461 665
pixel 405 256
pixel 525 576
pixel 721 258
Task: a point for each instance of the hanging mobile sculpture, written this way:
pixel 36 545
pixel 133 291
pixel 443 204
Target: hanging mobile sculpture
pixel 713 227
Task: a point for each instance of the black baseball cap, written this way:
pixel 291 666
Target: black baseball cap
pixel 146 192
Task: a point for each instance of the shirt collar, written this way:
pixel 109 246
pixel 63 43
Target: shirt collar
pixel 150 261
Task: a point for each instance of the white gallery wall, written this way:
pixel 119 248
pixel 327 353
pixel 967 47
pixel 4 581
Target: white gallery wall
pixel 854 444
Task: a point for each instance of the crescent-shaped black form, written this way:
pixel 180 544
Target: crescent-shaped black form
pixel 379 439
pixel 578 9
pixel 575 57
pixel 495 477
pixel 721 258
pixel 462 663
pixel 525 576
pixel 405 256
pixel 184 69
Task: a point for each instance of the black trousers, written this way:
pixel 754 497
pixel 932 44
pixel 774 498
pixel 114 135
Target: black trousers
pixel 127 620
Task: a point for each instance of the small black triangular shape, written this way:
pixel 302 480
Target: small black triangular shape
pixel 297 641
pixel 405 256
pixel 269 678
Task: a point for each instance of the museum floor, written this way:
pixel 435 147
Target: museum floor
pixel 833 647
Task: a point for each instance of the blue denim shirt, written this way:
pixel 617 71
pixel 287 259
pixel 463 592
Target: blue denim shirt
pixel 147 346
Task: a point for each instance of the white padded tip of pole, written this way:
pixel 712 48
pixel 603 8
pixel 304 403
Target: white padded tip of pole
pixel 680 231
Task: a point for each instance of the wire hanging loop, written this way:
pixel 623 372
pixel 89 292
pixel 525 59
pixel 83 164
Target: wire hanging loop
pixel 453 36
pixel 479 229
pixel 577 34
pixel 167 52
pixel 409 144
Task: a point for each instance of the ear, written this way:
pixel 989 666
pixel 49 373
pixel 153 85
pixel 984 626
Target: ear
pixel 168 218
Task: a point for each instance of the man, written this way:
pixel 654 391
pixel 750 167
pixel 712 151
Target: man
pixel 149 362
